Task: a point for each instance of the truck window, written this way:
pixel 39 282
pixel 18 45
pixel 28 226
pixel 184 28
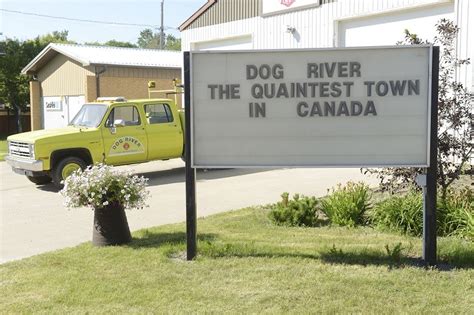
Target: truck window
pixel 158 113
pixel 90 115
pixel 129 114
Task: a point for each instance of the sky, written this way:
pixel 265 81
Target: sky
pixel 146 12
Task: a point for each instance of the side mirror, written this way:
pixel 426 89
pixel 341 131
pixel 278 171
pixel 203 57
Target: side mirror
pixel 119 123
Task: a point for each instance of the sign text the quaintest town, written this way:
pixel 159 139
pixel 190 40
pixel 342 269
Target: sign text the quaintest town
pixel 327 92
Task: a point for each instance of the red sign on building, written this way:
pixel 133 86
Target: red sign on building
pixel 287 3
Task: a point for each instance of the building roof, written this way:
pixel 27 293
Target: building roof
pixel 106 55
pixel 197 14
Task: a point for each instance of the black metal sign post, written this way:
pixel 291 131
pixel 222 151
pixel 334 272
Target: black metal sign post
pixel 191 231
pixel 429 195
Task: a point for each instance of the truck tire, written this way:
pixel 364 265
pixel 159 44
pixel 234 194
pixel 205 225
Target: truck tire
pixel 64 168
pixel 40 180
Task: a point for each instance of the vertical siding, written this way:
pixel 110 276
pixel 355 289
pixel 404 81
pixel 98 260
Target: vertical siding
pixel 315 26
pixel 226 11
pixel 62 76
pixel 465 44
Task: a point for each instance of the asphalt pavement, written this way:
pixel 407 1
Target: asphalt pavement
pixel 33 219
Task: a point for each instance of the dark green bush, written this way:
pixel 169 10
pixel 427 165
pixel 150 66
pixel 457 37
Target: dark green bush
pixel 347 205
pixel 300 211
pixel 457 214
pixel 403 214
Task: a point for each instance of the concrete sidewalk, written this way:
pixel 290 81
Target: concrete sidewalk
pixel 34 220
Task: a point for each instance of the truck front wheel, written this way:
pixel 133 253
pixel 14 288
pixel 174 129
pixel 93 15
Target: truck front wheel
pixel 66 167
pixel 40 180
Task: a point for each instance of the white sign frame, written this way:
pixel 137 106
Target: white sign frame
pixel 316 165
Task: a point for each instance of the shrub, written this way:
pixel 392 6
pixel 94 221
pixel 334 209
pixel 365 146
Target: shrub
pixel 400 213
pixel 347 205
pixel 457 214
pixel 404 214
pixel 300 211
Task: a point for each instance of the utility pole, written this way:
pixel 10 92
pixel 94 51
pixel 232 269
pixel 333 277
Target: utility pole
pixel 162 29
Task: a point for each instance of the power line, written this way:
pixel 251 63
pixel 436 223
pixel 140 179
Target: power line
pixel 84 20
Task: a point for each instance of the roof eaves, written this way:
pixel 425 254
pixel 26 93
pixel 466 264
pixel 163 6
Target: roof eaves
pixel 66 53
pixel 196 15
pixel 30 65
pixel 135 65
pixel 42 54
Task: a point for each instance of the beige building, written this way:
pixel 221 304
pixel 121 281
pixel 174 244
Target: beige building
pixel 66 76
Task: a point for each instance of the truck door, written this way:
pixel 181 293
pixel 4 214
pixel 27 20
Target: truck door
pixel 124 136
pixel 165 136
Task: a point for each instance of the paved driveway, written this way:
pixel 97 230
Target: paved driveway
pixel 33 219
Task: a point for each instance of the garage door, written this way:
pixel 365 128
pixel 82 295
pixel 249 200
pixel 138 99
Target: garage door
pixel 231 43
pixel 388 29
pixel 74 105
pixel 59 110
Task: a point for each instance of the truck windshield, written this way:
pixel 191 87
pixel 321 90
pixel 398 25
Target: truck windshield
pixel 90 115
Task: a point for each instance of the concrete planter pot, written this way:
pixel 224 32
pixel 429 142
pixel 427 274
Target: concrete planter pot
pixel 110 226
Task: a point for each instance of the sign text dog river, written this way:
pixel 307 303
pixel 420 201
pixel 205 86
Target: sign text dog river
pixel 340 107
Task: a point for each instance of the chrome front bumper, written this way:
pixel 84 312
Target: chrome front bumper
pixel 30 165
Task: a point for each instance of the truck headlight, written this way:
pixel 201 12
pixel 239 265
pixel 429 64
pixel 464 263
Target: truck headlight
pixel 32 151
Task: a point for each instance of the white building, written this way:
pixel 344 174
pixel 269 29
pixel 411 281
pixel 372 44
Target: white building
pixel 277 24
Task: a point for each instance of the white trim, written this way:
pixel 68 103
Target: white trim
pixel 395 10
pixel 429 105
pixel 191 105
pixel 308 49
pixel 337 21
pixel 305 166
pixel 233 37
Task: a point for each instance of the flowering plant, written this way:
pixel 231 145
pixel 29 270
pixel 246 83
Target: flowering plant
pixel 100 185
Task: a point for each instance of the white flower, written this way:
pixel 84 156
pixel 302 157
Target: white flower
pixel 99 185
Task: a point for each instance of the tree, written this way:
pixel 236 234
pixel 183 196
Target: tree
pixel 112 43
pixel 116 43
pixel 54 37
pixel 454 117
pixel 173 43
pixel 14 87
pixel 149 39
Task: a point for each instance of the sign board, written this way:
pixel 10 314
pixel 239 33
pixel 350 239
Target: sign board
pixel 348 107
pixel 54 103
pixel 283 6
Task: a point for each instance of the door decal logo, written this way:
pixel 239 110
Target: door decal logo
pixel 126 145
pixel 287 3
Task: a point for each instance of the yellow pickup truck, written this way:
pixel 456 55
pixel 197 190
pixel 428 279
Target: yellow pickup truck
pixel 114 131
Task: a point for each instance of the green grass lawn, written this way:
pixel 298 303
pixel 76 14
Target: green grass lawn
pixel 245 265
pixel 3 147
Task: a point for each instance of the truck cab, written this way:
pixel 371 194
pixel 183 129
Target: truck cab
pixel 114 131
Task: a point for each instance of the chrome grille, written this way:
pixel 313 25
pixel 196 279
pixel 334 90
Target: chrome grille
pixel 20 149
